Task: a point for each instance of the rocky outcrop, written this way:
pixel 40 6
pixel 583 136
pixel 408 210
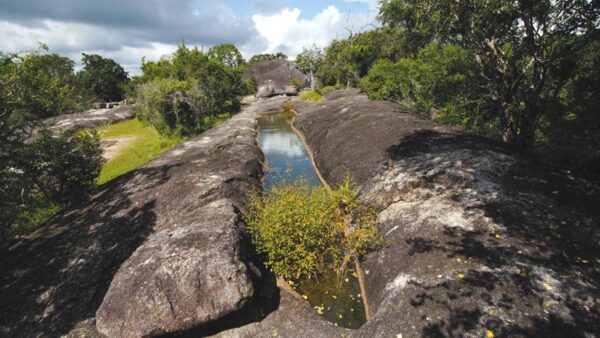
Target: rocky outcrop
pixel 160 248
pixel 478 239
pixel 89 119
pixel 179 278
pixel 276 77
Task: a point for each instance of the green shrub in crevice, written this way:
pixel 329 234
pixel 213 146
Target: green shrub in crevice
pixel 303 231
pixel 311 95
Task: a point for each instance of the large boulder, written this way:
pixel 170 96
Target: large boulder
pixel 274 77
pixel 90 119
pixel 179 278
pixel 478 239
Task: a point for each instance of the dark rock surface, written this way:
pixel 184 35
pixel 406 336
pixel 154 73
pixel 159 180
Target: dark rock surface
pixel 275 77
pixel 477 237
pixel 54 280
pixel 89 119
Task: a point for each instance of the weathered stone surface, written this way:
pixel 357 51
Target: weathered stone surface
pixel 272 77
pixel 265 91
pixel 179 278
pixel 290 90
pixel 89 119
pixel 477 237
pixel 55 280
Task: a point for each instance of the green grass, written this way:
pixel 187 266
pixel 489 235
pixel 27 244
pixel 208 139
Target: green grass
pixel 145 145
pixel 313 96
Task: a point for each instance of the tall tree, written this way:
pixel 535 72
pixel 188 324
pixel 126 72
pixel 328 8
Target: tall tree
pixel 310 59
pixel 103 77
pixel 513 42
pixel 43 84
pixel 227 54
pixel 50 170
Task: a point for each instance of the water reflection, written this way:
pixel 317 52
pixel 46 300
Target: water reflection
pixel 286 156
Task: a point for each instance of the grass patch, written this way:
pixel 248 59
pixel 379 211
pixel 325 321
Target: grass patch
pixel 144 143
pixel 328 89
pixel 311 95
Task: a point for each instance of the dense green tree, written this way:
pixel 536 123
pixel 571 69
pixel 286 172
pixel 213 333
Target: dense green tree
pixel 512 43
pixel 226 54
pixel 266 57
pixel 348 60
pixel 442 79
pixel 43 85
pixel 177 93
pixel 39 171
pixel 309 60
pixel 103 78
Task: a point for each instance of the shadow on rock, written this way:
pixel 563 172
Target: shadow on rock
pixel 265 301
pixel 514 250
pixel 57 277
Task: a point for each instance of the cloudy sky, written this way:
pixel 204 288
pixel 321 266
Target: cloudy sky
pixel 127 30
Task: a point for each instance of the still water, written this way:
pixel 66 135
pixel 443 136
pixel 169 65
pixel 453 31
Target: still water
pixel 336 299
pixel 286 156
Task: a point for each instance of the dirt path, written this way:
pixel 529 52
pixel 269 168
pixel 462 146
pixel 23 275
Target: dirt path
pixel 111 147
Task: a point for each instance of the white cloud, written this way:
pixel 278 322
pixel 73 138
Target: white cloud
pixel 373 4
pixel 154 35
pixel 72 39
pixel 285 31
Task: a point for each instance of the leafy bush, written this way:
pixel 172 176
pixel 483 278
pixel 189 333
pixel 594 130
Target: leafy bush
pixel 304 230
pixel 250 86
pixel 311 95
pixel 103 78
pixel 37 178
pixel 388 81
pixel 41 85
pixel 328 89
pixel 176 94
pixel 163 104
pixel 439 77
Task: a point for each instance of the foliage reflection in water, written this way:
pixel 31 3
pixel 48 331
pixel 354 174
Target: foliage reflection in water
pixel 337 299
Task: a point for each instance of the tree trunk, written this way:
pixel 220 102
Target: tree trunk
pixel 312 80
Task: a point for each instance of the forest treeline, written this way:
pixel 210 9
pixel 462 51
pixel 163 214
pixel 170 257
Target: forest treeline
pixel 40 173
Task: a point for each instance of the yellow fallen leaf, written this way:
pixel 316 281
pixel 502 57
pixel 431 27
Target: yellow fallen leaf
pixel 461 275
pixel 489 334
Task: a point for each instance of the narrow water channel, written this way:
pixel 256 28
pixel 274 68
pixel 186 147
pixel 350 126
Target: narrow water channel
pixel 338 301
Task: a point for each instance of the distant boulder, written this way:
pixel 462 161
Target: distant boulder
pixel 277 77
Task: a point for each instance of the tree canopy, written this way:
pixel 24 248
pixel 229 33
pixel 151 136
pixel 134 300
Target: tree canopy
pixel 103 78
